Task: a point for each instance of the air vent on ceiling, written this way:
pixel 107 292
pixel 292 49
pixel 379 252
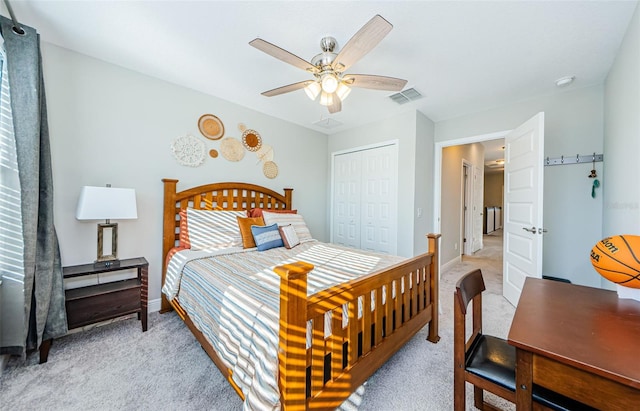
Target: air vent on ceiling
pixel 328 123
pixel 406 96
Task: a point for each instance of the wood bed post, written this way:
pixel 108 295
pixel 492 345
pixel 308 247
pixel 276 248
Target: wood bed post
pixel 168 233
pixel 292 353
pixel 434 275
pixel 287 198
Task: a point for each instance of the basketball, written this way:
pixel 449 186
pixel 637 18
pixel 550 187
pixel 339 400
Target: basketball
pixel 617 258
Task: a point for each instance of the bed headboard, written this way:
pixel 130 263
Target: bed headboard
pixel 221 196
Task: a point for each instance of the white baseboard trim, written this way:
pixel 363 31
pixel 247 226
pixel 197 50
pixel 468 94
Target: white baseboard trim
pixel 449 264
pixel 154 305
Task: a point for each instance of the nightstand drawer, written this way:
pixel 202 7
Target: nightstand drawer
pixel 98 303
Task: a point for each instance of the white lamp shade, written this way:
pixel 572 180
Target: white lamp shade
pixel 329 83
pixel 105 203
pixel 343 91
pixel 326 99
pixel 312 90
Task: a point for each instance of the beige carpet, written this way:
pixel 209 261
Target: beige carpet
pixel 117 367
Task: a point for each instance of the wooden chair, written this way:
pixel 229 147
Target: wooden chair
pixel 486 361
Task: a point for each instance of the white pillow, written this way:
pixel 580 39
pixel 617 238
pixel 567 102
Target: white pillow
pixel 289 236
pixel 296 220
pixel 214 228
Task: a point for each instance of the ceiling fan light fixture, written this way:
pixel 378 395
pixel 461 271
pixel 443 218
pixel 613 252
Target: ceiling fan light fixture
pixel 343 91
pixel 326 99
pixel 328 67
pixel 329 83
pixel 313 90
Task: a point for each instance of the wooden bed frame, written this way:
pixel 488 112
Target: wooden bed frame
pixel 325 375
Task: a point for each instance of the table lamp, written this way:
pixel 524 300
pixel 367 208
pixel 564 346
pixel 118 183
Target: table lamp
pixel 106 203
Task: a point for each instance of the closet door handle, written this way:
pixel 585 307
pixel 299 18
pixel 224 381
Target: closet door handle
pixel 531 230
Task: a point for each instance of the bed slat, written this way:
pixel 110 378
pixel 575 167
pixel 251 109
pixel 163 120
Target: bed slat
pixel 317 355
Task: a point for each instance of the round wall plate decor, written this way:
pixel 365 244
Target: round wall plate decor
pixel 251 140
pixel 211 127
pixel 188 150
pixel 231 149
pixel 270 169
pixel 265 153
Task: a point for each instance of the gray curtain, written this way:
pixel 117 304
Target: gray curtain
pixel 45 315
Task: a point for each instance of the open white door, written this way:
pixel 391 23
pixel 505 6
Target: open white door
pixel 523 183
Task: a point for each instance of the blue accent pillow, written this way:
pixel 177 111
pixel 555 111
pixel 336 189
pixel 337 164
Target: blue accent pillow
pixel 266 237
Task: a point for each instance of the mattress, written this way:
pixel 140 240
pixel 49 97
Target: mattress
pixel 233 297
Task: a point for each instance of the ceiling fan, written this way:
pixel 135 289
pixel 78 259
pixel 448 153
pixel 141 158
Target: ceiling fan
pixel 328 67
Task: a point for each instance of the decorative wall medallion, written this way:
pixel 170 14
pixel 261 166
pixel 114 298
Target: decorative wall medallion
pixel 211 127
pixel 231 149
pixel 188 150
pixel 251 140
pixel 270 169
pixel 265 153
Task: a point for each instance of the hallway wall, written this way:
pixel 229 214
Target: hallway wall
pixel 451 196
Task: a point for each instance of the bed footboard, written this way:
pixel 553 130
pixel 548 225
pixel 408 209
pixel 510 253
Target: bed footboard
pixel 355 327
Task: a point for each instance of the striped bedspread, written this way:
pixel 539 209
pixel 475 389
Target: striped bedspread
pixel 233 298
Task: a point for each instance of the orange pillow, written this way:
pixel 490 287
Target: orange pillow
pixel 257 212
pixel 245 224
pixel 184 231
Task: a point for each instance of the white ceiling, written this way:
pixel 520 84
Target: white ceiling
pixel 464 56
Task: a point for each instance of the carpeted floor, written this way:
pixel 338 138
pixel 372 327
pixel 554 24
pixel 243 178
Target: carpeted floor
pixel 117 367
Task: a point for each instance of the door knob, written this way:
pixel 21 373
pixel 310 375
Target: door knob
pixel 542 230
pixel 531 230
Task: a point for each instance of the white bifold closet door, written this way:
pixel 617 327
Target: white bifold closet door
pixel 365 197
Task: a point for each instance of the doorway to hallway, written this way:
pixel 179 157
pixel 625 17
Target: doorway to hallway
pixel 491 251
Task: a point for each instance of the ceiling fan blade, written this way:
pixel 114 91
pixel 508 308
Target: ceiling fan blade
pixel 362 42
pixel 336 106
pixel 374 82
pixel 282 54
pixel 287 89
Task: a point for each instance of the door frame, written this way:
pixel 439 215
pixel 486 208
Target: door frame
pixel 387 143
pixel 437 172
pixel 478 207
pixel 467 206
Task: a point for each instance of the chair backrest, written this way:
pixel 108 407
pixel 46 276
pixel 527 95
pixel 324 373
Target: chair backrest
pixel 469 288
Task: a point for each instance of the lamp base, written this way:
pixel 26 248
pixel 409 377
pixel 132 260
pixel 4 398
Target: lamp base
pixel 113 256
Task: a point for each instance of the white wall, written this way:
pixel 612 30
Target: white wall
pixel 573 125
pixel 424 183
pixel 622 137
pixel 621 187
pixel 402 128
pixel 112 125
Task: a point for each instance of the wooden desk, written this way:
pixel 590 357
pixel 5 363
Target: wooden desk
pixel 579 341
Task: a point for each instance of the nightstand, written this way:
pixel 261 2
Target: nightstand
pixel 100 302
